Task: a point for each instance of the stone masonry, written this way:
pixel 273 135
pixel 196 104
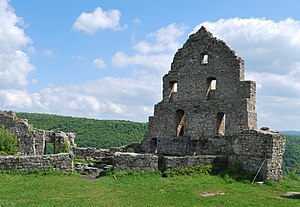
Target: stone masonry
pixel 63 162
pixel 33 142
pixel 209 109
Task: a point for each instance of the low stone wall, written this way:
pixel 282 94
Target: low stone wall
pixel 135 162
pixel 90 152
pixel 135 147
pixel 217 161
pixel 63 162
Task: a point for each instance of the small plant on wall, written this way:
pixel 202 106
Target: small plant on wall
pixel 8 142
pixel 64 148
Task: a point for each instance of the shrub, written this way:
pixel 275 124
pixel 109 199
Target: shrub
pixel 8 142
pixel 64 148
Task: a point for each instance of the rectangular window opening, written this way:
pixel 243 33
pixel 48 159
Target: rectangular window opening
pixel 49 148
pixel 211 88
pixel 180 123
pixel 213 84
pixel 204 59
pixel 221 123
pixel 173 91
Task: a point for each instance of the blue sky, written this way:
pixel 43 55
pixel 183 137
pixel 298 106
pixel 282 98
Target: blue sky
pixel 105 59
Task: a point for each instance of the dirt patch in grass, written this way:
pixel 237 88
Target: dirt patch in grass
pixel 291 195
pixel 210 193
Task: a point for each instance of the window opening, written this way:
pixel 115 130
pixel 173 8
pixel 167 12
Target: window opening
pixel 211 88
pixel 153 145
pixel 49 148
pixel 213 84
pixel 173 91
pixel 180 123
pixel 204 58
pixel 221 123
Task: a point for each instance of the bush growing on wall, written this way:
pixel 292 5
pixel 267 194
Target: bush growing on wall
pixel 64 148
pixel 8 142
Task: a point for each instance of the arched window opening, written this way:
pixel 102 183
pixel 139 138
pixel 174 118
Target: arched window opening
pixel 179 123
pixel 129 149
pixel 153 145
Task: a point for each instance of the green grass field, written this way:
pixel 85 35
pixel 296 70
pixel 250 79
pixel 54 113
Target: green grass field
pixel 148 189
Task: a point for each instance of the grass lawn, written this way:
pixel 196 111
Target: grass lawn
pixel 148 189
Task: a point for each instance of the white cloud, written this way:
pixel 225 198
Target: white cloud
pixel 98 20
pixel 159 62
pixel 19 99
pixel 165 40
pixel 14 62
pixel 105 98
pixel 155 53
pixel 99 63
pixel 266 45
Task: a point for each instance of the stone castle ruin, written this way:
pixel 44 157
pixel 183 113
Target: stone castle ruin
pixel 207 116
pixel 208 109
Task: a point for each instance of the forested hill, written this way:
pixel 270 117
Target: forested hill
pixel 90 132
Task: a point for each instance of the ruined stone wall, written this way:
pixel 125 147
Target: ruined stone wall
pixel 135 162
pixel 63 162
pixel 39 138
pixel 90 152
pixel 59 139
pixel 218 162
pixel 21 129
pixel 250 149
pixel 254 149
pixel 33 142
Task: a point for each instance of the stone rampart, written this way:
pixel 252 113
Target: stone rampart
pixel 63 162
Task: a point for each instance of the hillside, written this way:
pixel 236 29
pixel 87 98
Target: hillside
pixel 291 159
pixel 90 132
